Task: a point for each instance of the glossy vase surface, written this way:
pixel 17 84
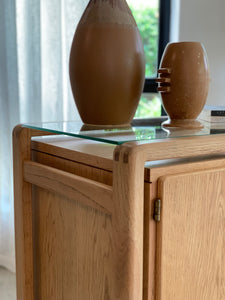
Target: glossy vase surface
pixel 107 65
pixel 183 83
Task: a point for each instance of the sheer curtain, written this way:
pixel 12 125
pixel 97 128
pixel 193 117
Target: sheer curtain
pixel 35 40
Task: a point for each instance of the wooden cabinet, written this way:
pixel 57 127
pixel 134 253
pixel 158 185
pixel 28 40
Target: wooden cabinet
pixel 191 236
pixel 84 219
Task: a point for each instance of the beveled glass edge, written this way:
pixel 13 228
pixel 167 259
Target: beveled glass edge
pixel 58 132
pixel 150 123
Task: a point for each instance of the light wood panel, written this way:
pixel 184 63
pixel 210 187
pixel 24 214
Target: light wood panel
pixel 186 165
pixel 149 259
pixel 171 148
pixel 128 200
pixel 162 169
pixel 73 245
pixel 106 177
pixel 23 216
pixel 23 213
pixel 129 161
pixel 100 155
pixel 73 167
pixel 84 151
pixel 191 236
pixel 128 227
pixel 94 194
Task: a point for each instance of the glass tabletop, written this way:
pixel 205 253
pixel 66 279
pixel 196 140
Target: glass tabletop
pixel 144 130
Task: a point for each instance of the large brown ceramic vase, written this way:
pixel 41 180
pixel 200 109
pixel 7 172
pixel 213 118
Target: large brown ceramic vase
pixel 183 83
pixel 107 66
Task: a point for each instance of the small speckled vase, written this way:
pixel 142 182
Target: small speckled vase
pixel 183 82
pixel 107 65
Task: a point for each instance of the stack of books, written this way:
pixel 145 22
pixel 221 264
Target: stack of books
pixel 213 117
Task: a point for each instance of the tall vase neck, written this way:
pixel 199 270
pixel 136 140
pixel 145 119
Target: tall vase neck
pixel 122 4
pixel 108 11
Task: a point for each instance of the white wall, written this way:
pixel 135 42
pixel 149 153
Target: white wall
pixel 204 21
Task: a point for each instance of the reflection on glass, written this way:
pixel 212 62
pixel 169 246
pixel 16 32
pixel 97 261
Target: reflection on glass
pixel 143 131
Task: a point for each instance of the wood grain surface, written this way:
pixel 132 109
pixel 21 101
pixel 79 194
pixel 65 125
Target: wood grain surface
pixel 23 216
pixel 191 236
pixel 114 241
pixel 128 227
pixel 83 151
pixel 23 213
pixel 73 244
pixel 89 192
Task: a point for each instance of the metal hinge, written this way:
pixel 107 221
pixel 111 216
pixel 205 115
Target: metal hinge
pixel 157 210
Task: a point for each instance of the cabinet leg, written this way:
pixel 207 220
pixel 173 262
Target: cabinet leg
pixel 23 215
pixel 128 201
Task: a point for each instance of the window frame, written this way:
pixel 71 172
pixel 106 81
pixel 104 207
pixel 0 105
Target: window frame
pixel 150 85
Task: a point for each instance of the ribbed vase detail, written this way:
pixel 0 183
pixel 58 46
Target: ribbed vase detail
pixel 184 83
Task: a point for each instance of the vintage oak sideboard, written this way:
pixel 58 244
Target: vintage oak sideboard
pixel 125 214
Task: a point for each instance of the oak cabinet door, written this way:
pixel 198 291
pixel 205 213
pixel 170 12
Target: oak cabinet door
pixel 191 236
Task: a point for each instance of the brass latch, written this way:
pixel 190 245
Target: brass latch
pixel 157 210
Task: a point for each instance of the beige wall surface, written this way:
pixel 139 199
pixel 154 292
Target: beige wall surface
pixel 204 21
